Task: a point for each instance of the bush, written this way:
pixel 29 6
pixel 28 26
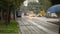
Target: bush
pixel 11 28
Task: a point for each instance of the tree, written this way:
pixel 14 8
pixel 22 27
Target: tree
pixel 8 6
pixel 37 6
pixel 34 6
pixel 45 4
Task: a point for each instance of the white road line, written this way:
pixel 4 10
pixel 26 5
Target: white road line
pixel 43 28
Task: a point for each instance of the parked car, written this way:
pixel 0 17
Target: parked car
pixel 38 15
pixel 33 15
pixel 19 14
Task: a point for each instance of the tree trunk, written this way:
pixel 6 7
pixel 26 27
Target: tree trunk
pixel 14 14
pixel 8 16
pixel 1 14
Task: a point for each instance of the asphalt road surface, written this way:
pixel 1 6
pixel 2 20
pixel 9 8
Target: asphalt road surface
pixel 37 25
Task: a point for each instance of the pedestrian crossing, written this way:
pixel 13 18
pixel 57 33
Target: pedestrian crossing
pixel 35 26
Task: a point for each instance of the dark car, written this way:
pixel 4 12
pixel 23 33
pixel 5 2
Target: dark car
pixel 19 14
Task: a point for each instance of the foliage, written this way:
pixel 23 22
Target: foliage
pixel 5 3
pixel 11 28
pixel 34 6
pixel 37 6
pixel 45 4
pixel 8 6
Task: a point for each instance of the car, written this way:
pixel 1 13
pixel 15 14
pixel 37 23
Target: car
pixel 38 15
pixel 19 14
pixel 33 15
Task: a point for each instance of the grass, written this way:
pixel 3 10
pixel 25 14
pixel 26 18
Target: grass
pixel 11 28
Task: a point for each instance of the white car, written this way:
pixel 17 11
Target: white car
pixel 32 15
pixel 53 15
pixel 38 15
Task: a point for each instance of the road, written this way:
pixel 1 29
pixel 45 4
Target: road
pixel 37 25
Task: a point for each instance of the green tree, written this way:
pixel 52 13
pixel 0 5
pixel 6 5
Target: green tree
pixel 34 6
pixel 8 6
pixel 45 4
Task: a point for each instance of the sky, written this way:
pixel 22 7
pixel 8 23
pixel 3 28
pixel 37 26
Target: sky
pixel 27 1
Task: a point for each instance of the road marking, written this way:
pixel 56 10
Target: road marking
pixel 39 26
pixel 43 28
